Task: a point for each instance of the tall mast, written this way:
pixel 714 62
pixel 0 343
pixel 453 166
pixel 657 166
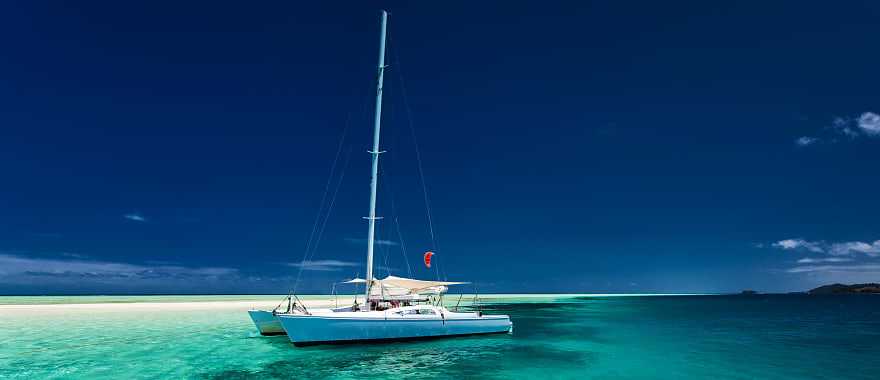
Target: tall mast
pixel 377 123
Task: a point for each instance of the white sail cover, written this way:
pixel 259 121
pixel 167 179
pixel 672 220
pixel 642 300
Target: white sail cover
pixel 393 286
pixel 414 285
pixel 405 283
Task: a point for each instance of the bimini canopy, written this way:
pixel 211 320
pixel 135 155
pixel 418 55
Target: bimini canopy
pixel 414 285
pixel 404 283
pixel 393 286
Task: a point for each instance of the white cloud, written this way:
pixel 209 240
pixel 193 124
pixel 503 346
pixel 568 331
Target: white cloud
pixel 808 260
pixel 18 269
pixel 844 126
pixel 852 247
pixel 869 122
pixel 800 244
pixel 74 255
pixel 323 265
pixel 135 217
pixel 848 248
pixel 866 124
pixel 835 268
pixel 850 261
pixel 805 141
pixel 376 242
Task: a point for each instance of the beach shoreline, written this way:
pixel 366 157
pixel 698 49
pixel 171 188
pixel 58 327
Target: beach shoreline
pixel 154 306
pixel 91 304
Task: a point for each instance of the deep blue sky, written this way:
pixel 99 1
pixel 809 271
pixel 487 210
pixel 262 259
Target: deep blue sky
pixel 166 147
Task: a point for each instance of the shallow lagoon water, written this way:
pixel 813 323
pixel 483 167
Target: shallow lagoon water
pixel 700 337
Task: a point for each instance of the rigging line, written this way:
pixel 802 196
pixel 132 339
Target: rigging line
pixel 326 191
pixel 392 192
pixel 330 206
pixel 416 146
pixel 332 202
pixel 386 250
pixel 329 180
pixel 395 141
pixel 384 233
pixel 437 270
pixel 327 217
pixel 397 228
pixel 380 252
pixel 403 248
pixel 412 130
pixel 310 250
pixel 387 168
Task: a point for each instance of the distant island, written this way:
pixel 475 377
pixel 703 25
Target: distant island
pixel 847 289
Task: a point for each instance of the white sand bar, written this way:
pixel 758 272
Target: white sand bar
pixel 159 306
pixel 180 303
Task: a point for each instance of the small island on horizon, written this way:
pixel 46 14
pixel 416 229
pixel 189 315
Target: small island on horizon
pixel 869 288
pixel 837 288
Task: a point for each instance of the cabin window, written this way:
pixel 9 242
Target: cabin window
pixel 427 312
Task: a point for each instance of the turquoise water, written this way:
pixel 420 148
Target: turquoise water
pixel 699 337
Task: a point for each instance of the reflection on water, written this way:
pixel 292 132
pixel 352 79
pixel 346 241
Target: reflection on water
pixel 480 356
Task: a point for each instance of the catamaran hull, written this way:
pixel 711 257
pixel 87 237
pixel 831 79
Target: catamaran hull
pixel 267 322
pixel 312 330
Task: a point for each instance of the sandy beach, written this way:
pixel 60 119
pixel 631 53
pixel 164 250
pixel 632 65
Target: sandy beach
pixel 127 307
pixel 125 304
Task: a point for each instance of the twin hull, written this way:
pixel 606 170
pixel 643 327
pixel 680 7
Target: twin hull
pixel 312 329
pixel 267 322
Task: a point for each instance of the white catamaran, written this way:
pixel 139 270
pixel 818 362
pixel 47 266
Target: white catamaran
pixel 396 308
